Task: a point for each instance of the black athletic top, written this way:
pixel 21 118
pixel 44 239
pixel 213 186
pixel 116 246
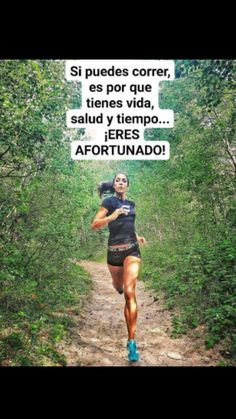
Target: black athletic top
pixel 122 230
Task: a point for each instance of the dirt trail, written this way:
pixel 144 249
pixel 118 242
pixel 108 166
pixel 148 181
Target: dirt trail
pixel 100 335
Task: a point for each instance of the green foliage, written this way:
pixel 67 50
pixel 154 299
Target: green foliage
pixel 35 322
pixel 44 200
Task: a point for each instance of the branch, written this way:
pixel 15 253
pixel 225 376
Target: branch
pixel 227 148
pixel 1 155
pixel 231 155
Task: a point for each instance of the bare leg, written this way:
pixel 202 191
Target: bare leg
pixel 117 276
pixel 131 272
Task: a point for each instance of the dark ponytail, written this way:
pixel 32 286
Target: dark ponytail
pixel 105 187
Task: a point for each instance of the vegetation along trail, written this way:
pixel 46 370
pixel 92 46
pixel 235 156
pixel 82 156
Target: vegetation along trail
pixel 99 335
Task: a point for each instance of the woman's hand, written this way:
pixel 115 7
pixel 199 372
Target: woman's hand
pixel 116 214
pixel 141 240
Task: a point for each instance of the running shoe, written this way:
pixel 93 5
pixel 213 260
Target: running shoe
pixel 133 354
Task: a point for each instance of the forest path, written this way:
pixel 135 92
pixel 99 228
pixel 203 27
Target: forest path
pixel 100 335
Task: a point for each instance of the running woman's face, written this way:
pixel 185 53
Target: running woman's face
pixel 121 183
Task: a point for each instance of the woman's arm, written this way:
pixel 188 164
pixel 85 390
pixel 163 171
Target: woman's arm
pixel 141 239
pixel 101 220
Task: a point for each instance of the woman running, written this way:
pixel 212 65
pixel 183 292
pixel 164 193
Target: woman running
pixel 123 254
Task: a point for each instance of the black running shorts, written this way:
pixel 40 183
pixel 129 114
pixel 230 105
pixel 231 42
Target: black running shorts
pixel 116 256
